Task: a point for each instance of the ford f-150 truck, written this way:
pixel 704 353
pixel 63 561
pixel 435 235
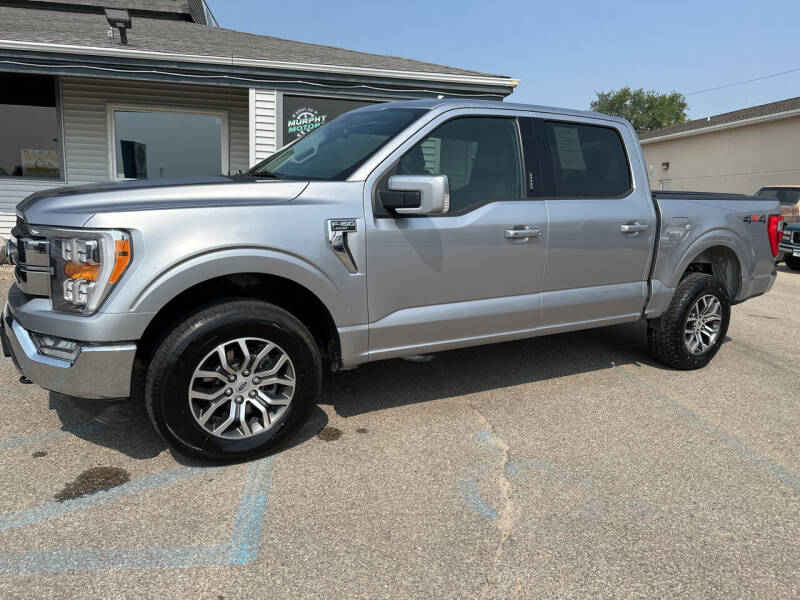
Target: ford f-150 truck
pixel 394 230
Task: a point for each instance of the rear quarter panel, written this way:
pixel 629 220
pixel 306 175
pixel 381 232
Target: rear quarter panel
pixel 690 226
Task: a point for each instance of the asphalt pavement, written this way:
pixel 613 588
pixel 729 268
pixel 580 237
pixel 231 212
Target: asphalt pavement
pixel 568 466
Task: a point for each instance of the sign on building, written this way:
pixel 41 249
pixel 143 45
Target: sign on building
pixel 302 114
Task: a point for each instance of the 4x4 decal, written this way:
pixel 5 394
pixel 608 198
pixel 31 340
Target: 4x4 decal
pixel 755 219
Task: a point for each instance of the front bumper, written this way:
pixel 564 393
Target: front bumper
pixel 787 249
pixel 98 372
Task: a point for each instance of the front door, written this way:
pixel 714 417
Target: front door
pixel 463 278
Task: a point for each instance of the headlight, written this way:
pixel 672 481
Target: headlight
pixel 787 236
pixel 86 264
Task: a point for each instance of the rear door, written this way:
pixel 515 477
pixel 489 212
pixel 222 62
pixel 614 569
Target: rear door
pixel 601 223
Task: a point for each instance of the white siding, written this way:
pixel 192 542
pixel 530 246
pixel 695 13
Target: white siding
pixel 263 114
pixel 84 117
pixel 11 192
pixel 84 114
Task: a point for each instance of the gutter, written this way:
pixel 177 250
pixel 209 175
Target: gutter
pixel 253 62
pixel 742 123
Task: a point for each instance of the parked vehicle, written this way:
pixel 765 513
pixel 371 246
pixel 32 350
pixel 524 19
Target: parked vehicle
pixel 397 229
pixel 790 246
pixel 788 196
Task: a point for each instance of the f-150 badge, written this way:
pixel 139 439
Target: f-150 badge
pixel 337 240
pixel 345 225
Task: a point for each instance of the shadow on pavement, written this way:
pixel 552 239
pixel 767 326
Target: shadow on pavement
pixel 391 383
pixel 126 427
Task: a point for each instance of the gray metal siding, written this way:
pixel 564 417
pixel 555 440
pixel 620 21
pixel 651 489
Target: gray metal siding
pixel 84 119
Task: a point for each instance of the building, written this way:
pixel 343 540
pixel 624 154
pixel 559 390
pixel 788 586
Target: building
pixel 166 92
pixel 739 151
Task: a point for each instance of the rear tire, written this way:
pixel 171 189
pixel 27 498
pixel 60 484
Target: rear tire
pixel 692 329
pixel 793 262
pixel 205 361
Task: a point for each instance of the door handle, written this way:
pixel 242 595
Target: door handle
pixel 634 227
pixel 524 233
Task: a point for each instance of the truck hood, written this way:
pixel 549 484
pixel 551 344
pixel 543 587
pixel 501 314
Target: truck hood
pixel 792 227
pixel 74 206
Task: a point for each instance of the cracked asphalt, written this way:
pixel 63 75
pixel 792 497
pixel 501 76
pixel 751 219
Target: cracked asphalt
pixel 570 466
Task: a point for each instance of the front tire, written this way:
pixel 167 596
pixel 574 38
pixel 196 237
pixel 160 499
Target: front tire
pixel 233 380
pixel 793 262
pixel 692 329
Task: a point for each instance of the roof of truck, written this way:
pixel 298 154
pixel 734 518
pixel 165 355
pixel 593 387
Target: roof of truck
pixel 454 103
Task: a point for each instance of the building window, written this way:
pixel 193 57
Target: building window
pixel 30 138
pixel 160 144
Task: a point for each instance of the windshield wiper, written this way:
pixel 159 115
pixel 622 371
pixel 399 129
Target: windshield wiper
pixel 265 173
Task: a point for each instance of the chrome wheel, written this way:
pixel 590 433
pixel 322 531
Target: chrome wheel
pixel 241 388
pixel 703 324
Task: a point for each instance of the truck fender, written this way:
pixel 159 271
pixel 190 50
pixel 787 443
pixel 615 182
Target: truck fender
pixel 673 260
pixel 206 266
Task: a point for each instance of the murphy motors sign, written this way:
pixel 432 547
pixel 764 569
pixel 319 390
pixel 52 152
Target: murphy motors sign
pixel 302 114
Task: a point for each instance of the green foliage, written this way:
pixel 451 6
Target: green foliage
pixel 645 110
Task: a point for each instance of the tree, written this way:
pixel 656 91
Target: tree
pixel 645 110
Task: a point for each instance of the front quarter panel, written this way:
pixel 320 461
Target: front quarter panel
pixel 179 248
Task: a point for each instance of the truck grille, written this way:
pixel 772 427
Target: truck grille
pixel 796 237
pixel 31 258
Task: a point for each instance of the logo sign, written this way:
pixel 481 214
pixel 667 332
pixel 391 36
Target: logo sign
pixel 348 225
pixel 303 114
pixel 755 219
pixel 303 120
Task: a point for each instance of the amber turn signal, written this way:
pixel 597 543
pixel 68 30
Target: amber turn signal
pixel 75 270
pixel 121 260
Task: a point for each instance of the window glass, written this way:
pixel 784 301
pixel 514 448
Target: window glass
pixel 30 147
pixel 335 150
pixel 787 196
pixel 155 145
pixel 587 161
pixel 480 155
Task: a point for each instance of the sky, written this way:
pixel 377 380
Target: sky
pixel 563 52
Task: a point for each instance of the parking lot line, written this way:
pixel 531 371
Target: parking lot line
pixel 242 549
pixel 56 509
pixel 58 561
pixel 246 537
pixel 46 436
pixel 731 441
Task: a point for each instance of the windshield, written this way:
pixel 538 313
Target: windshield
pixel 788 196
pixel 335 150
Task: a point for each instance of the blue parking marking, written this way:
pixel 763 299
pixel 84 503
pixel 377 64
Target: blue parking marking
pixel 467 486
pixel 46 436
pixel 58 561
pixel 246 538
pixel 56 509
pixel 242 549
pixel 725 438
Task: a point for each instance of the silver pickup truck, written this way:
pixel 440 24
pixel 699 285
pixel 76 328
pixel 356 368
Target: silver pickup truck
pixel 395 230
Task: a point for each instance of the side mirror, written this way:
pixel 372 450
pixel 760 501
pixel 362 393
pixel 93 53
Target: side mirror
pixel 417 194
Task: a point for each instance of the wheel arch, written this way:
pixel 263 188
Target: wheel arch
pixel 177 296
pixel 722 262
pixel 718 252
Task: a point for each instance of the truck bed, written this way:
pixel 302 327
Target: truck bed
pixel 679 195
